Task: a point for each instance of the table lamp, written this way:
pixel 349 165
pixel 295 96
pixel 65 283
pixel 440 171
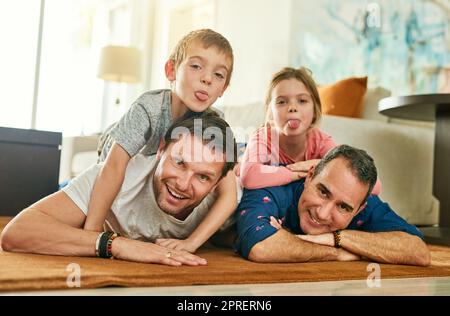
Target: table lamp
pixel 120 64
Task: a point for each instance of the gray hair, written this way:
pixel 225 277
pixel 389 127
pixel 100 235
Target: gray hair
pixel 359 162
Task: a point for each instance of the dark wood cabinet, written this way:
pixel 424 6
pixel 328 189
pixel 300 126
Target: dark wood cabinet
pixel 29 167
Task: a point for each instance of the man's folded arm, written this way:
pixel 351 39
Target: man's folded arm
pixel 52 226
pixel 386 237
pixel 394 247
pixel 286 247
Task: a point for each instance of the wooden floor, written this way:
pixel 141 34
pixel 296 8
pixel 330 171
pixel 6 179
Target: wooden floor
pixel 428 286
pixel 390 287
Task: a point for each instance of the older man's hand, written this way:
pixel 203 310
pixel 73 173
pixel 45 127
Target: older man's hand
pixel 344 255
pixel 322 239
pixel 326 239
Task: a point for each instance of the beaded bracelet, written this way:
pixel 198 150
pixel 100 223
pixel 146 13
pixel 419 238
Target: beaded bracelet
pixel 337 238
pixel 109 245
pixel 103 248
pixel 103 243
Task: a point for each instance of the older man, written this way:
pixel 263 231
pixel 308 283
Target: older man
pixel 163 196
pixel 328 216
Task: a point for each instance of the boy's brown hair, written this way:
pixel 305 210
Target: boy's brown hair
pixel 303 75
pixel 208 38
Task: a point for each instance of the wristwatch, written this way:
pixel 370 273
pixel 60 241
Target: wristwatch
pixel 337 238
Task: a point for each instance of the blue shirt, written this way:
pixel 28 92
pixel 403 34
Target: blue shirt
pixel 256 207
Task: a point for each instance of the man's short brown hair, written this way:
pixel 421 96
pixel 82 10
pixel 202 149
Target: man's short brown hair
pixel 212 130
pixel 208 38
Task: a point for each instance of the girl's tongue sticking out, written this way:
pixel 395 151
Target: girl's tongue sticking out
pixel 293 124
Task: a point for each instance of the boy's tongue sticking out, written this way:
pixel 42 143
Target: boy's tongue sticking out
pixel 202 96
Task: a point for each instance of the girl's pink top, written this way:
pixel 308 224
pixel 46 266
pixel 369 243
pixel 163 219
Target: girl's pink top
pixel 259 166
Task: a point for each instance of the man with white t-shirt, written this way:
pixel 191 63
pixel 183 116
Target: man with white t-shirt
pixel 163 196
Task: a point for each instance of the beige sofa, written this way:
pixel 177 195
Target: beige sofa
pixel 77 154
pixel 403 152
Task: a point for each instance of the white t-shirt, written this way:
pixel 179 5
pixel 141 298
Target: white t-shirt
pixel 135 213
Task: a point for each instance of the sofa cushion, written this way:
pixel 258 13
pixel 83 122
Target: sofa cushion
pixel 82 161
pixel 244 120
pixel 404 159
pixel 345 97
pixel 70 147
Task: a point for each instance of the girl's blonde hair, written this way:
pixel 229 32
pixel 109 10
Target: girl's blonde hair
pixel 303 75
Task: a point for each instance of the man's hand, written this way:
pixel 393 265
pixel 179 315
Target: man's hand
pixel 344 255
pixel 326 239
pixel 176 244
pixel 146 252
pixel 322 239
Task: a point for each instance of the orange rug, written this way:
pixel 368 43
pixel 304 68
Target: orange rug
pixel 39 272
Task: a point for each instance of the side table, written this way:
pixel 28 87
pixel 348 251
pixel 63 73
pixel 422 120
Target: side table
pixel 430 107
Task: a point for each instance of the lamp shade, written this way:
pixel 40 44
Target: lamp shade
pixel 120 63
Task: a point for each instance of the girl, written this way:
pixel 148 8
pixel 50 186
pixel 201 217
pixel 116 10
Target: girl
pixel 289 144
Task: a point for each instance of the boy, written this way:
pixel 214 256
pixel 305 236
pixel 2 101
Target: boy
pixel 199 70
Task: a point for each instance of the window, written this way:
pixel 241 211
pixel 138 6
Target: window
pixel 70 97
pixel 119 20
pixel 70 94
pixel 176 18
pixel 65 94
pixel 17 60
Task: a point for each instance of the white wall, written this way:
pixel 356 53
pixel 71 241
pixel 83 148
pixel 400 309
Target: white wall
pixel 172 20
pixel 160 40
pixel 259 32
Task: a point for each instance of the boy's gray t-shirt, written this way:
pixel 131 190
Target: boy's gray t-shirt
pixel 142 127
